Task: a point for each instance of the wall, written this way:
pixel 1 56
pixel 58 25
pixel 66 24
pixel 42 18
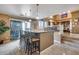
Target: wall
pixel 5 36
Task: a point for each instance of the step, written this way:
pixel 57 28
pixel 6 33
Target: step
pixel 75 45
pixel 72 41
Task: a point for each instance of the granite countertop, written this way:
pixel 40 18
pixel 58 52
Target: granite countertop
pixel 38 31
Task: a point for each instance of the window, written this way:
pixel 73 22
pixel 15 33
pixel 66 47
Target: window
pixel 27 25
pixel 41 24
pixel 46 24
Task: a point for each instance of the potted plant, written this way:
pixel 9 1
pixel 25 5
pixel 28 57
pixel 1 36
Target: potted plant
pixel 3 29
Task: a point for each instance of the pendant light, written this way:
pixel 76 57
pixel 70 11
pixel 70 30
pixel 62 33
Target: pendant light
pixel 37 11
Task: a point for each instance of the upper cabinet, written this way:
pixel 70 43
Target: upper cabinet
pixel 75 22
pixel 75 14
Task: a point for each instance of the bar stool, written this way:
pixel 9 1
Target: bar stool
pixel 33 43
pixel 36 42
pixel 36 45
pixel 30 45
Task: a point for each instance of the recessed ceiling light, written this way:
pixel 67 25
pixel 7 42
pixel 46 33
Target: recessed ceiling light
pixel 50 20
pixel 51 16
pixel 69 11
pixel 37 17
pixel 64 12
pixel 30 20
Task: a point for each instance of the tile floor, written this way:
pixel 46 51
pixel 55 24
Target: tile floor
pixel 12 48
pixel 60 49
pixel 9 48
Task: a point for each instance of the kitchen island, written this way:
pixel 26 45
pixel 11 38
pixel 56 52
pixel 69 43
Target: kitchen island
pixel 40 39
pixel 46 39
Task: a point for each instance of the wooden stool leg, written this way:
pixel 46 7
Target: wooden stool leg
pixel 39 47
pixel 31 49
pixel 35 46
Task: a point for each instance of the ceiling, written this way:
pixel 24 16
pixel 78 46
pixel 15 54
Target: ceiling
pixel 31 9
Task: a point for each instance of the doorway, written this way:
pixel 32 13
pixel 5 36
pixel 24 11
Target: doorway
pixel 16 27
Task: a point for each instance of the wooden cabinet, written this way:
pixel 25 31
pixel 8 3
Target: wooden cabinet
pixel 75 22
pixel 46 40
